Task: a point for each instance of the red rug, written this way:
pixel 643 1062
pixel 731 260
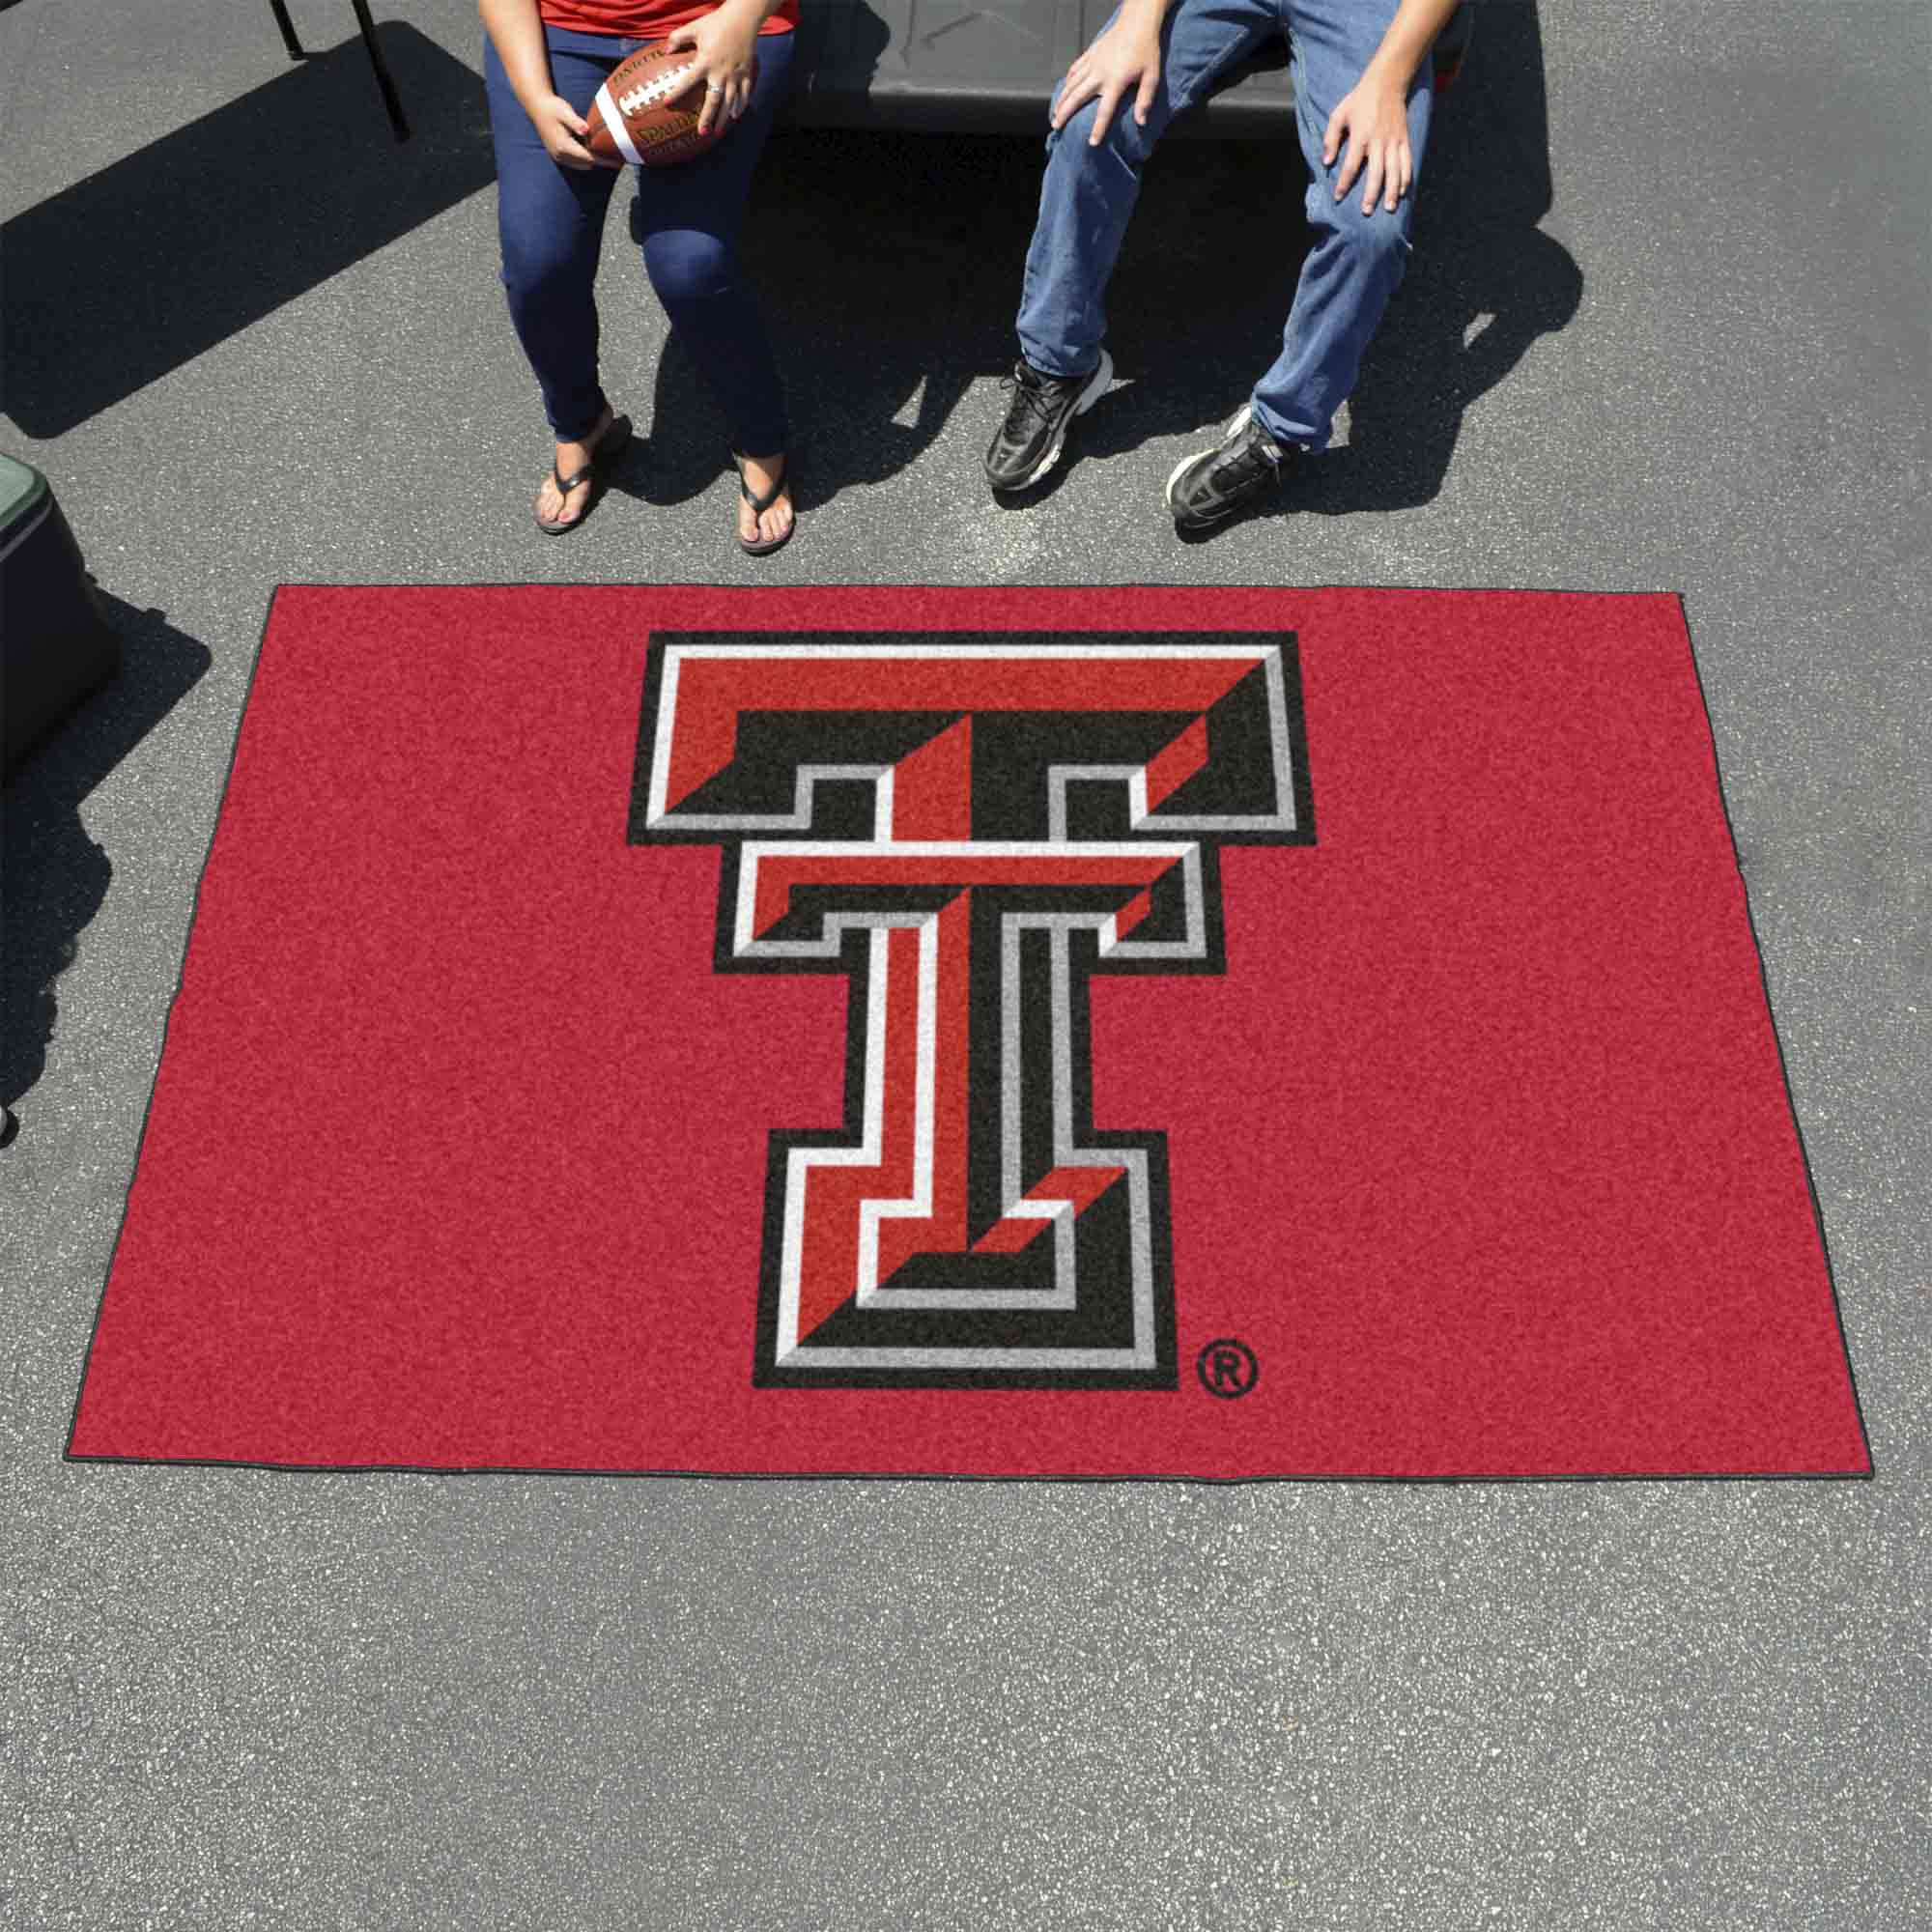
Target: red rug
pixel 981 1033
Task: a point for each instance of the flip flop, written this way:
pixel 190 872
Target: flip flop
pixel 764 546
pixel 607 448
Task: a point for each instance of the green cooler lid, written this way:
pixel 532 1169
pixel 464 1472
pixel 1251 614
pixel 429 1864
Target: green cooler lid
pixel 21 490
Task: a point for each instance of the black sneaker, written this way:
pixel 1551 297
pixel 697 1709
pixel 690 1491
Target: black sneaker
pixel 1246 461
pixel 1030 441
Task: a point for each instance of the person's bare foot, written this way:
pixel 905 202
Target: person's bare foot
pixel 761 472
pixel 552 505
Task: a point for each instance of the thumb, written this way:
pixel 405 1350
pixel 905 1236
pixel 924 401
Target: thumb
pixel 684 37
pixel 1332 138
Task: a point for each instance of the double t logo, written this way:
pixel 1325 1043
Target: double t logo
pixel 969 827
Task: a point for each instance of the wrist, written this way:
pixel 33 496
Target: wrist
pixel 1142 18
pixel 1389 74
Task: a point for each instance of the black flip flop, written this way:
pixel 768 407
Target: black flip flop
pixel 609 446
pixel 764 546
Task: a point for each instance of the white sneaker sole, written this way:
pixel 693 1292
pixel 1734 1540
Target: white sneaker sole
pixel 1097 387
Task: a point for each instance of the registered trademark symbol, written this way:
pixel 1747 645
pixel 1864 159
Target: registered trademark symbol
pixel 1227 1368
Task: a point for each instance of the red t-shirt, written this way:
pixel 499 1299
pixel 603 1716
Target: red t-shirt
pixel 646 20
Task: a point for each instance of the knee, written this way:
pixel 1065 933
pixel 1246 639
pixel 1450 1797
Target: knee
pixel 1072 144
pixel 1376 244
pixel 687 266
pixel 537 268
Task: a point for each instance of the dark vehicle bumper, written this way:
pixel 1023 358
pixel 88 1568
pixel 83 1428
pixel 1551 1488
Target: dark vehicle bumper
pixel 949 67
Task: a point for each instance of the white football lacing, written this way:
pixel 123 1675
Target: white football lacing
pixel 670 81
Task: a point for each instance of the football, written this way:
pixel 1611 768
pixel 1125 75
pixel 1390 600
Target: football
pixel 647 112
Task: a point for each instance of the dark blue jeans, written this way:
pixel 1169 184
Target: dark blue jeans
pixel 1350 274
pixel 550 222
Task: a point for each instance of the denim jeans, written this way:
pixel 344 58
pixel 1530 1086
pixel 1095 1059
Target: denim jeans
pixel 550 222
pixel 1356 262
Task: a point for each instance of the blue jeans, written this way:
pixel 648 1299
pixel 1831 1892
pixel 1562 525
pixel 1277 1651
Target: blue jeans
pixel 1352 271
pixel 550 222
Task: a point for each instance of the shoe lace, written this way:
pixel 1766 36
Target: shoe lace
pixel 1254 454
pixel 1030 398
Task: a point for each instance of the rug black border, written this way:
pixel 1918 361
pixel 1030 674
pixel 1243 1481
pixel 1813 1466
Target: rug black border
pixel 1461 1481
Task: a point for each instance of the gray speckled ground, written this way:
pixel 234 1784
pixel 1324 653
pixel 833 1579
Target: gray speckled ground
pixel 1666 329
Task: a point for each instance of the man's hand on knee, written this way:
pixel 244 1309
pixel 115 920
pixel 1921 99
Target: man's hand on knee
pixel 1373 114
pixel 1124 58
pixel 1373 119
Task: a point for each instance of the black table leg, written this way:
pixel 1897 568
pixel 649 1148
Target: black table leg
pixel 390 99
pixel 288 27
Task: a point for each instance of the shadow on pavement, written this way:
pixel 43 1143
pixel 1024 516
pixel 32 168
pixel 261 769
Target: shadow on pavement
pixel 881 261
pixel 889 266
pixel 53 877
pixel 121 278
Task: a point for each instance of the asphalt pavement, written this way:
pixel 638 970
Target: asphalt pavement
pixel 1666 329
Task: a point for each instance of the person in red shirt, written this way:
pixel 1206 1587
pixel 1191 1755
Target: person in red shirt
pixel 543 63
